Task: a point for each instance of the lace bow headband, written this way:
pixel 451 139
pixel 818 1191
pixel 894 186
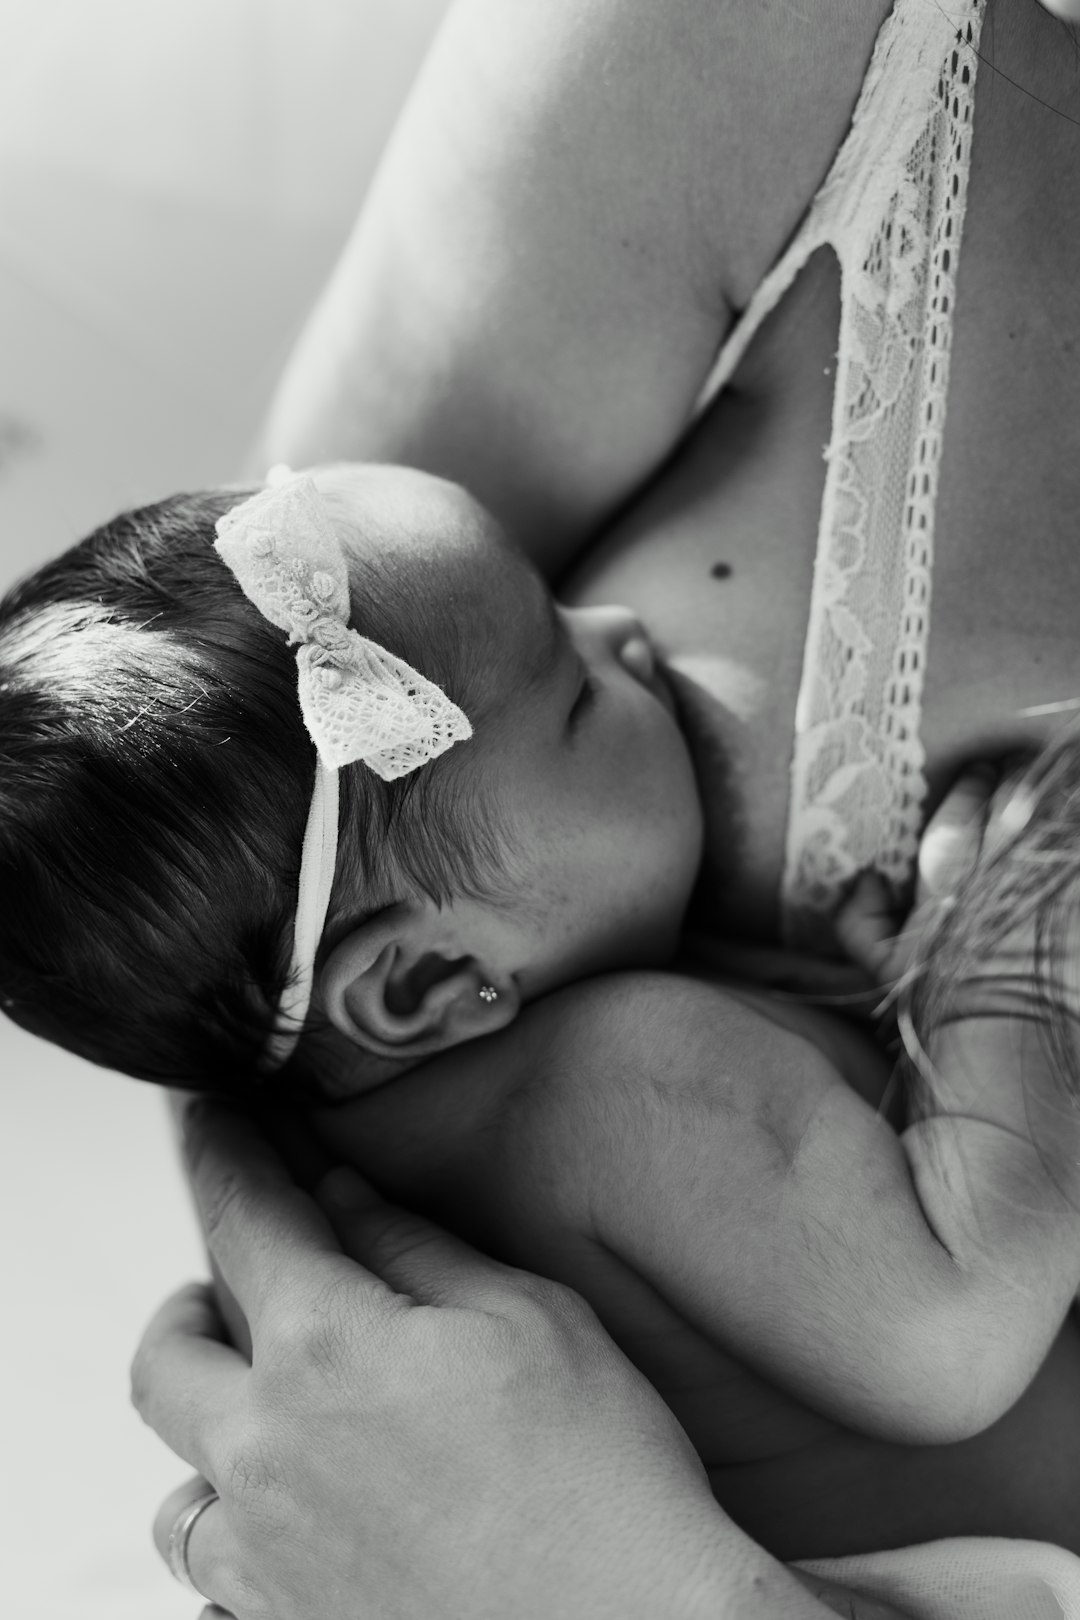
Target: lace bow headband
pixel 358 701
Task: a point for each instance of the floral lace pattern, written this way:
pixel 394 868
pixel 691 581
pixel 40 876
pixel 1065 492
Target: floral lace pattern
pixel 892 207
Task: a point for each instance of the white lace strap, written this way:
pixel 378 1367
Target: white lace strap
pixel 892 208
pixel 889 116
pixel 897 198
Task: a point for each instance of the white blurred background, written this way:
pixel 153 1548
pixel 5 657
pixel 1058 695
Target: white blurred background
pixel 176 177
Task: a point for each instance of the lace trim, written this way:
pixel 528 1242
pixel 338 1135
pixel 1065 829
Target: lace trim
pixel 892 207
pixel 359 701
pixel 858 783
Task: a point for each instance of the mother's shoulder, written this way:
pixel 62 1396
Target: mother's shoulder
pixel 723 115
pixel 758 98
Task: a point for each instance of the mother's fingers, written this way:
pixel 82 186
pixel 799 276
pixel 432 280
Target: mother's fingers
pixel 266 1236
pixel 186 1384
pixel 416 1257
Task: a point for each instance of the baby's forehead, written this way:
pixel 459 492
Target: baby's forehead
pixel 499 606
pixel 483 605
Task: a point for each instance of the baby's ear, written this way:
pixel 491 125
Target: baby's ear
pixel 399 988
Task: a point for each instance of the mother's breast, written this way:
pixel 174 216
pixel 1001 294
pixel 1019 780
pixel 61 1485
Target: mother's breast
pixel 717 557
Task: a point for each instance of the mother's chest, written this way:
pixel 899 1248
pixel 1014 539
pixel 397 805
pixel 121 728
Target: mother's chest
pixel 719 555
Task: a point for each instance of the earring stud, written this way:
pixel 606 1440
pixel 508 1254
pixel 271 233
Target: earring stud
pixel 488 993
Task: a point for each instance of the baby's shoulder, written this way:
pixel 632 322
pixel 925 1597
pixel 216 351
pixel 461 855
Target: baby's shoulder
pixel 532 1126
pixel 613 1064
pixel 669 1029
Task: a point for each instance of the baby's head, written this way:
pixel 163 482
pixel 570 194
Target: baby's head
pixel 156 778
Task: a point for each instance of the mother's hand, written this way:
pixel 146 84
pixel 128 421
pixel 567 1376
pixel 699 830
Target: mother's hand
pixel 438 1434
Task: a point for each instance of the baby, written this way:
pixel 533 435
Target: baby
pixel 503 805
pixel 157 781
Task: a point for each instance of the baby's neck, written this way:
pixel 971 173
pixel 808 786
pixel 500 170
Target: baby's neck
pixel 413 1133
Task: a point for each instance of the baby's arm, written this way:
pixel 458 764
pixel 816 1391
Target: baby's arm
pixel 728 1161
pixel 729 1151
pixel 929 1271
pixel 672 1127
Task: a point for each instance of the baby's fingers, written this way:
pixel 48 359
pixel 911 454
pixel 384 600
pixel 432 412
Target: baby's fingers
pixel 949 850
pixel 866 927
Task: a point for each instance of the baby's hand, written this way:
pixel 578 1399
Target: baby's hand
pixel 878 944
pixel 989 937
pixel 870 927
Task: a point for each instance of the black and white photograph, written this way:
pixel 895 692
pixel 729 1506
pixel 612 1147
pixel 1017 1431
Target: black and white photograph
pixel 540 809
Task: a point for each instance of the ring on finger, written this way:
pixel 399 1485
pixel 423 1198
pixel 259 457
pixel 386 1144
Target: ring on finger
pixel 180 1536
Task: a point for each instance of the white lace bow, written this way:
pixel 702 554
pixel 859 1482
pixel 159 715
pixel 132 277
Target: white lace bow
pixel 359 702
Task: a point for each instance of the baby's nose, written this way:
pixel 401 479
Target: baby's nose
pixel 629 641
pixel 636 653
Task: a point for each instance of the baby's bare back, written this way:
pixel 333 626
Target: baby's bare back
pixel 577 1146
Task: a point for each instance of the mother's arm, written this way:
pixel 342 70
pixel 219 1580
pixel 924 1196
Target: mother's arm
pixel 578 195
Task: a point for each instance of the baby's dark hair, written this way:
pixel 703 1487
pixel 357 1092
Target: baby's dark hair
pixel 155 779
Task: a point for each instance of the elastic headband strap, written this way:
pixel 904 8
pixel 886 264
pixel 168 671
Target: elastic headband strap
pixel 318 863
